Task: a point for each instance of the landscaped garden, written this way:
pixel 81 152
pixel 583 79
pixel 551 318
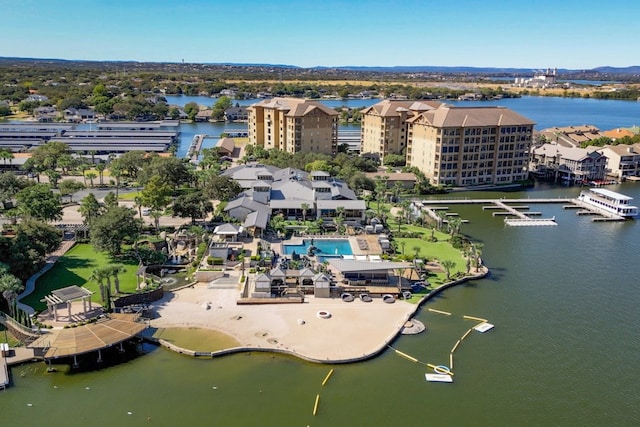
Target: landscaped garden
pixel 75 268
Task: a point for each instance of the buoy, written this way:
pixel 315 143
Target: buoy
pixel 446 313
pixel 440 369
pixel 327 377
pixel 451 360
pixel 455 346
pixel 475 318
pixel 315 407
pixel 406 356
pixel 465 335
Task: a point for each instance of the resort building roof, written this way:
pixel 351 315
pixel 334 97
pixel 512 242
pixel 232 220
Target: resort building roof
pixel 453 116
pixel 351 266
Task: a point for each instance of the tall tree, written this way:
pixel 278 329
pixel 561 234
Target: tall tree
pixel 111 229
pixel 222 188
pixel 38 201
pixel 192 205
pixel 156 195
pixel 89 208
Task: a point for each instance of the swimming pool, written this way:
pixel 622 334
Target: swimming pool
pixel 328 247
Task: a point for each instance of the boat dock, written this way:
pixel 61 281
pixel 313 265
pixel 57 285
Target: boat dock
pixel 517 210
pixel 4 370
pixel 194 149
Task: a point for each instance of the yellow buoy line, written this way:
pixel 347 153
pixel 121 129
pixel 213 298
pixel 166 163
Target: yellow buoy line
pixel 327 377
pixel 315 405
pixel 439 369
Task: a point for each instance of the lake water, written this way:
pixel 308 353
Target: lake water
pixel 564 301
pixel 564 350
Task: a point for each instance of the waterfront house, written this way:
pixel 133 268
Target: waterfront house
pixel 203 115
pixel 567 164
pixel 235 114
pixel 78 115
pixel 623 161
pixel 468 146
pixel 571 136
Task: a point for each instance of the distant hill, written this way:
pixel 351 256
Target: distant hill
pixel 634 69
pixel 631 70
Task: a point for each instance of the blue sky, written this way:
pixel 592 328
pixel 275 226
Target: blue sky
pixel 490 33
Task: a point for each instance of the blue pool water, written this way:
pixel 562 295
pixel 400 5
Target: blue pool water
pixel 327 247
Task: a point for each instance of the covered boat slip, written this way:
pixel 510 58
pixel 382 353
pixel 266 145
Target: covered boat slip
pixel 107 332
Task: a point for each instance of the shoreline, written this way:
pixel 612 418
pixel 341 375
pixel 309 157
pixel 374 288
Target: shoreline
pixel 279 347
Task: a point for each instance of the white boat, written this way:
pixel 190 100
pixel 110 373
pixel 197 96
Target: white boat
pixel 609 201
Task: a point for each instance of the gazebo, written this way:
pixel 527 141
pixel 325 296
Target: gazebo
pixel 229 232
pixel 67 296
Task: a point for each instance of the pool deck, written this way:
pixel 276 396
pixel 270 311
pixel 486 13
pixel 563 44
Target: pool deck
pixel 372 245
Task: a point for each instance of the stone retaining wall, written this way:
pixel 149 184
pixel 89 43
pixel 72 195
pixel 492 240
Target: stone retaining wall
pixel 140 298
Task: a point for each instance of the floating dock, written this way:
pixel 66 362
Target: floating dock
pixel 516 209
pixel 438 378
pixel 483 327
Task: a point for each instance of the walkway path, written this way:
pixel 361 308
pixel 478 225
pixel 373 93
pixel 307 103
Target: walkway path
pixel 31 282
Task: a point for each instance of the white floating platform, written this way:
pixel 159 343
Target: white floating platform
pixel 438 378
pixel 483 327
pixel 519 222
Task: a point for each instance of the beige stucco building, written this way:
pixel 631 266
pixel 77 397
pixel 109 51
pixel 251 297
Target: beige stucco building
pixel 467 146
pixel 294 125
pixel 384 126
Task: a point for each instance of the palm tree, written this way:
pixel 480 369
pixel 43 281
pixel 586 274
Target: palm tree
pixel 477 254
pixel 304 207
pixel 442 218
pixel 454 225
pixel 416 251
pixel 339 219
pixel 97 275
pixel 6 154
pixel 91 176
pixel 448 265
pixel 11 287
pixel 106 274
pixel 137 200
pixel 115 271
pixel 403 244
pixel 100 167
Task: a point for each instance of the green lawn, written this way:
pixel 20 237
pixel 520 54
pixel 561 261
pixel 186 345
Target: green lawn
pixel 74 268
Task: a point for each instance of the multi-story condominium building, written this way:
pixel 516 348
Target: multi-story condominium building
pixel 567 164
pixel 384 126
pixel 294 125
pixel 466 146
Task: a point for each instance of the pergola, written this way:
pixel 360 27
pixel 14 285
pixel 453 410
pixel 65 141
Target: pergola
pixel 67 296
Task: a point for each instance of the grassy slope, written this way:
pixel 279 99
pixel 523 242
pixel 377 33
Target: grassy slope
pixel 74 268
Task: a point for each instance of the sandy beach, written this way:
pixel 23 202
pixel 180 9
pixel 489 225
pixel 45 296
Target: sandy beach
pixel 355 330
